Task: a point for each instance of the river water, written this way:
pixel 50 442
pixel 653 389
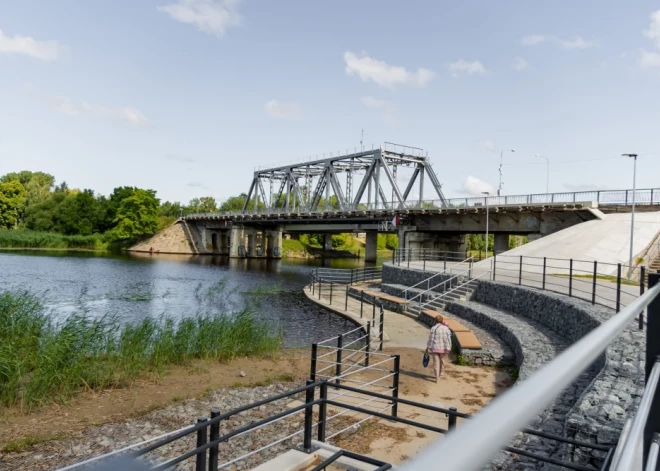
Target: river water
pixel 132 287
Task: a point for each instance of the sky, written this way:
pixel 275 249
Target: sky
pixel 187 97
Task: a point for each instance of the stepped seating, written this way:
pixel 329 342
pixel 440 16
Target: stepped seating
pixel 464 336
pixel 385 297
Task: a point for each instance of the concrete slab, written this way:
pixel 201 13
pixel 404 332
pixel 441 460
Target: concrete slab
pixel 292 460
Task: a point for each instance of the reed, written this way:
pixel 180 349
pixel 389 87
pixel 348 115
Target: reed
pixel 49 240
pixel 43 361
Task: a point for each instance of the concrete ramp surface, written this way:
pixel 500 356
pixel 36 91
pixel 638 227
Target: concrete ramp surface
pixel 606 240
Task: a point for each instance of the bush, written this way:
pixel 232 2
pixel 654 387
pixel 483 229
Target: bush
pixel 41 361
pixel 340 240
pixel 48 240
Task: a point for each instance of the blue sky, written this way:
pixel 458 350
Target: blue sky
pixel 188 96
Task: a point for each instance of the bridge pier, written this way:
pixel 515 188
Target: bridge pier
pixel 274 249
pixel 501 242
pixel 327 242
pixel 237 242
pixel 371 248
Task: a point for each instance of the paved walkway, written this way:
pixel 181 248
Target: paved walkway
pixel 400 330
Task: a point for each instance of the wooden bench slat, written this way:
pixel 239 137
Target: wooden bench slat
pixel 468 341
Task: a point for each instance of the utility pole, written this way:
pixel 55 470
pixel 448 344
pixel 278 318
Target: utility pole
pixel 499 188
pixel 632 214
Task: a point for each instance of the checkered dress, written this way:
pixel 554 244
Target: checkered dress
pixel 439 339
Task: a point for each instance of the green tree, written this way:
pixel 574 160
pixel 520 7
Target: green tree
pixel 137 216
pixel 12 199
pixel 173 210
pixel 235 203
pixel 205 204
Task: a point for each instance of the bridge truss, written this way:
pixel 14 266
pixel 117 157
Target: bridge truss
pixel 361 180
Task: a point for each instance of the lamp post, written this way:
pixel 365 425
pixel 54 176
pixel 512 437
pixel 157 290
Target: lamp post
pixel 499 188
pixel 547 172
pixel 486 199
pixel 632 214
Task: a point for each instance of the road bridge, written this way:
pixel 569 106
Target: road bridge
pixel 360 192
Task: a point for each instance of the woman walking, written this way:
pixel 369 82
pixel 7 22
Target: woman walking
pixel 439 345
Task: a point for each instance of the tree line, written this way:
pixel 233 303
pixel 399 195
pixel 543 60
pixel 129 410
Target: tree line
pixel 32 201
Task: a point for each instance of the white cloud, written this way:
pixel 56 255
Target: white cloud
pixel 520 64
pixel 209 16
pixel 653 33
pixel 532 40
pixel 475 187
pixel 576 43
pixel 383 74
pixel 126 114
pixel 649 60
pixel 461 66
pixel 385 107
pixel 488 145
pixel 281 110
pixel 42 50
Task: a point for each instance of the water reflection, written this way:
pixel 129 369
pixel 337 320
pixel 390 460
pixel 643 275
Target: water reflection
pixel 135 286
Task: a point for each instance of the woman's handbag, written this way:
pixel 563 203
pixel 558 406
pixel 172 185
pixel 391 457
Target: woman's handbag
pixel 425 360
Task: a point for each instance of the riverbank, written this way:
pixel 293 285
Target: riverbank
pixel 19 239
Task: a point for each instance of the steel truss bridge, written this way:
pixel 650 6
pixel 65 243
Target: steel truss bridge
pixel 340 182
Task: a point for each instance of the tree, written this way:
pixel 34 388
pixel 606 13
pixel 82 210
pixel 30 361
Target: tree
pixel 205 204
pixel 12 199
pixel 235 203
pixel 168 209
pixel 136 217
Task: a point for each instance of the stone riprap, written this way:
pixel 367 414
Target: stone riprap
pixel 599 413
pixel 409 276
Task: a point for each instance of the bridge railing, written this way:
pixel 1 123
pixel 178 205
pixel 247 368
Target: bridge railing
pixel 650 196
pixel 492 428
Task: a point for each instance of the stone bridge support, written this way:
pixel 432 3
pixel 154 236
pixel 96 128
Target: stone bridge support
pixel 501 242
pixel 327 242
pixel 371 248
pixel 237 247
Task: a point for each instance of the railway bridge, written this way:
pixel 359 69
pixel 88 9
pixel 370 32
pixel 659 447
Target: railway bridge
pixel 382 190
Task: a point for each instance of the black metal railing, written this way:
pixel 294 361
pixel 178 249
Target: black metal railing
pixel 435 259
pixel 607 284
pixel 209 443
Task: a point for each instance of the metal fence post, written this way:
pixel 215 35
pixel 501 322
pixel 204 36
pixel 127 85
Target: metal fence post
pixel 340 346
pixel 494 264
pixel 368 347
pixel 320 289
pixel 331 283
pixel 520 272
pixel 642 280
pixel 313 285
pixel 618 287
pixel 382 327
pixel 452 419
pixel 593 293
pixel 215 434
pixel 373 309
pixel 322 411
pixel 351 277
pixel 544 264
pixel 652 354
pixel 346 304
pixel 395 386
pixel 409 255
pixel 200 460
pixel 312 366
pixel 361 303
pixel 445 257
pixel 424 259
pixel 307 434
pixel 570 278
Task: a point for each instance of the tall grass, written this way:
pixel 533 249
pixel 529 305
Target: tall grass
pixel 43 361
pixel 49 240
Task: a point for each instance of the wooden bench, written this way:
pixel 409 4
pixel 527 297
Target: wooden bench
pixel 464 336
pixel 387 297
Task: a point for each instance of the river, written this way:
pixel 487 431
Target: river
pixel 132 287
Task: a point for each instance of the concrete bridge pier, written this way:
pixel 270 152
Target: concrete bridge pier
pixel 371 248
pixel 501 242
pixel 327 242
pixel 274 247
pixel 237 247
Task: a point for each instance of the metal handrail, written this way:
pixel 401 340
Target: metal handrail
pixel 493 427
pixel 470 259
pixel 438 285
pixel 442 295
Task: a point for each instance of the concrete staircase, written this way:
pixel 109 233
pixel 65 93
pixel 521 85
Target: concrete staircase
pixel 438 302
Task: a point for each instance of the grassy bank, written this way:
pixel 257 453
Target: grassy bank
pixel 41 361
pixel 49 240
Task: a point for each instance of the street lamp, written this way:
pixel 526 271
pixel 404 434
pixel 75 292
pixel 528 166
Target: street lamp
pixel 486 199
pixel 547 172
pixel 499 188
pixel 632 215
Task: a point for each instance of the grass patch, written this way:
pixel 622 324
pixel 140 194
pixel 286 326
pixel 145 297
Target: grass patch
pixel 22 444
pixel 43 361
pixel 293 245
pixel 624 281
pixel 49 240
